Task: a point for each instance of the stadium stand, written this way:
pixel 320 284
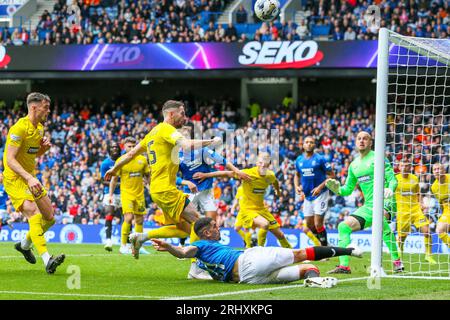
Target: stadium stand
pixel 147 21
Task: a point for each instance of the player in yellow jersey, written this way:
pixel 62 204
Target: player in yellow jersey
pixel 245 231
pixel 132 177
pixel 162 144
pixel 24 143
pixel 255 213
pixel 408 201
pixel 441 190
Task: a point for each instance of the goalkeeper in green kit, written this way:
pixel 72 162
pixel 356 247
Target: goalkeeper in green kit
pixel 361 171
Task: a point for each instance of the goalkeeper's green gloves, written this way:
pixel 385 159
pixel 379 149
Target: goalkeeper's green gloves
pixel 333 185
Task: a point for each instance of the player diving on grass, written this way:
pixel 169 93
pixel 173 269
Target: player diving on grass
pixel 24 143
pixel 441 190
pixel 132 177
pixel 254 212
pixel 192 161
pixel 311 174
pixel 162 145
pixel 408 202
pixel 361 171
pixel 258 265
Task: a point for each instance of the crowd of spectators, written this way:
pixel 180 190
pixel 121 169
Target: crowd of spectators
pixel 149 21
pixel 79 131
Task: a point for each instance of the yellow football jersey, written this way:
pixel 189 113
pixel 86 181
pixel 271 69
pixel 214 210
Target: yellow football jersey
pixel 407 193
pixel 253 191
pixel 239 193
pixel 163 156
pixel 442 191
pixel 27 137
pixel 132 177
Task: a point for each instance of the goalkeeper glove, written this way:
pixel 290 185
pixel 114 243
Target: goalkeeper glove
pixel 388 193
pixel 333 185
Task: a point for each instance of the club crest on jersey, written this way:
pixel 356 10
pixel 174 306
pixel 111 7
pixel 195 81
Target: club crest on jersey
pixel 33 150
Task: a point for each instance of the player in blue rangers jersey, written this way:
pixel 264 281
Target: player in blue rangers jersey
pixel 257 265
pixel 312 170
pixel 4 218
pixel 200 191
pixel 114 209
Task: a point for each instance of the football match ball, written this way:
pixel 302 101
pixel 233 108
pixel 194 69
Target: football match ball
pixel 267 10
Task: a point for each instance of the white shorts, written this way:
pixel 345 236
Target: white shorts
pixel 4 214
pixel 117 203
pixel 318 206
pixel 259 265
pixel 203 200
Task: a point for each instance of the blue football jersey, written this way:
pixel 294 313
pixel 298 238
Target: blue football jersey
pixel 107 164
pixel 313 171
pixel 3 197
pixel 195 163
pixel 216 258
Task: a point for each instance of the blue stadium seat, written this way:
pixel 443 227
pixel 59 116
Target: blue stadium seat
pixel 241 28
pixel 323 30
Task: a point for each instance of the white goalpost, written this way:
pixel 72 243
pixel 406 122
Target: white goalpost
pixel 412 130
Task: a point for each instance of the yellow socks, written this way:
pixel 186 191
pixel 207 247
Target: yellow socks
pixel 262 235
pixel 139 228
pixel 284 243
pixel 313 238
pixel 167 232
pixel 36 233
pixel 242 234
pixel 126 228
pixel 248 239
pixel 427 242
pixel 445 238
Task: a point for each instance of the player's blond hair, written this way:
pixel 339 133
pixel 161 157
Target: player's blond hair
pixel 129 140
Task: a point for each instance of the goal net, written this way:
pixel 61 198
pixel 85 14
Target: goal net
pixel 413 124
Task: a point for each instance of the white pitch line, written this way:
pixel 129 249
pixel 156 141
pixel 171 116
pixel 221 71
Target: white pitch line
pixel 79 295
pixel 252 290
pixel 68 256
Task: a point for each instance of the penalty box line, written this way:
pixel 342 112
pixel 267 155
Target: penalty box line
pixel 222 294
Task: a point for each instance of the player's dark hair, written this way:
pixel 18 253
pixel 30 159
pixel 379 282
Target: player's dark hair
pixel 37 97
pixel 201 224
pixel 171 104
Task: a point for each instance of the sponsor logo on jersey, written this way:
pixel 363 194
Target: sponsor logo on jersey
pixel 308 172
pixel 364 179
pixel 71 234
pixel 259 190
pixel 280 54
pixel 135 174
pixel 15 137
pixel 407 193
pixel 33 150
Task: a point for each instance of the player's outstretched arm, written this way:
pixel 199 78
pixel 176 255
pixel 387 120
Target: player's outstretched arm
pixel 185 252
pixel 112 187
pixel 127 157
pixel 347 189
pixel 205 175
pixel 196 143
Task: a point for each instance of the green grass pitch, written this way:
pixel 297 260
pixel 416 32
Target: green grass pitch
pixel 158 275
